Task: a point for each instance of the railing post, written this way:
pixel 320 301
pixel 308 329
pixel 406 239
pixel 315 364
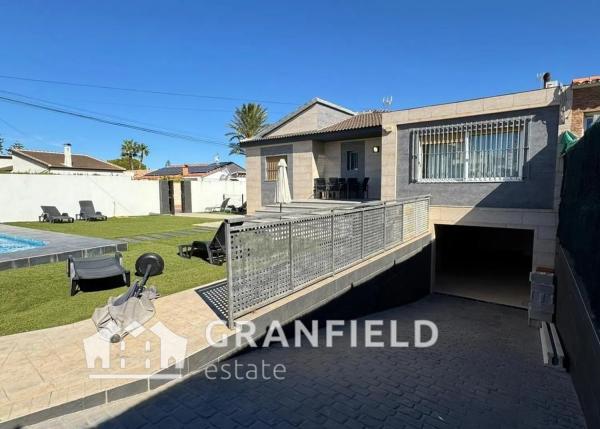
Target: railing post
pixel 384 226
pixel 362 234
pixel 332 245
pixel 291 253
pixel 230 322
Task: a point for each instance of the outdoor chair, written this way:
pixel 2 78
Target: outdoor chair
pixel 212 251
pixel 239 210
pixel 105 271
pixel 320 187
pixel 353 187
pixel 222 208
pixel 365 187
pixel 333 188
pixel 343 184
pixel 52 215
pixel 88 212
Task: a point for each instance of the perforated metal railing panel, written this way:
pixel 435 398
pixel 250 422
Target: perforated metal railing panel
pixel 268 260
pixel 393 224
pixel 374 231
pixel 260 267
pixel 347 238
pixel 311 249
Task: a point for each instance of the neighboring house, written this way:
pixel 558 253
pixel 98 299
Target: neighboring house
pixel 33 161
pixel 491 162
pixel 5 163
pixel 216 170
pixel 586 103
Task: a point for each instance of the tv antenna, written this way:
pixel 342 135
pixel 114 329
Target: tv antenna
pixel 387 101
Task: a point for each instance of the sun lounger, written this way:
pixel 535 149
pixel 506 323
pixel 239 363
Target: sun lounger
pixel 52 215
pixel 212 251
pixel 107 268
pixel 222 208
pixel 88 212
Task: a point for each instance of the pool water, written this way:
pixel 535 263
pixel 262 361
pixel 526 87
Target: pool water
pixel 9 243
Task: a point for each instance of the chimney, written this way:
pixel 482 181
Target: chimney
pixel 68 162
pixel 185 170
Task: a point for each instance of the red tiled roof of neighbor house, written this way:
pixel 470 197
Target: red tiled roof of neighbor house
pixel 195 170
pixel 586 80
pixel 56 160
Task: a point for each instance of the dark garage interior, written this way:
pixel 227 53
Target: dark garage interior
pixel 487 264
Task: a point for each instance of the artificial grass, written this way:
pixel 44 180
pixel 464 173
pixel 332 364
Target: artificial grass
pixel 119 226
pixel 39 297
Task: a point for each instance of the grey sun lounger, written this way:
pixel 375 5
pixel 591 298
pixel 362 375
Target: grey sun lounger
pixel 212 251
pixel 52 215
pixel 222 208
pixel 97 268
pixel 88 212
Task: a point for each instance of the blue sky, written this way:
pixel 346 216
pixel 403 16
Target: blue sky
pixel 349 52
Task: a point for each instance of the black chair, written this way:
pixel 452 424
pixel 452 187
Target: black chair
pixel 343 184
pixel 52 215
pixel 108 268
pixel 239 210
pixel 213 252
pixel 353 187
pixel 222 208
pixel 365 187
pixel 320 187
pixel 333 188
pixel 88 212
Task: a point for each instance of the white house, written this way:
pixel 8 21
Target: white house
pixel 33 161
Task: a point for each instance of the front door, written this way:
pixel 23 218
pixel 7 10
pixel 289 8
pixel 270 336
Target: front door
pixel 353 160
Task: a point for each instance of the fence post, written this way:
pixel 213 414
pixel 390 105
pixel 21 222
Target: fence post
pixel 291 253
pixel 230 322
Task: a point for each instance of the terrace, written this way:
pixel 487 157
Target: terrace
pixel 277 269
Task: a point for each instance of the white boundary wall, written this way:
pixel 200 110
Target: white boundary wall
pixel 21 195
pixel 209 192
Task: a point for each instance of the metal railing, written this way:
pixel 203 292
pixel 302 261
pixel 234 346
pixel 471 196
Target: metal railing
pixel 269 260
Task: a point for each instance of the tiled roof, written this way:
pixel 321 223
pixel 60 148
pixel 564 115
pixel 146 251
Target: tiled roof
pixel 358 121
pixel 586 80
pixel 196 169
pixel 361 120
pixel 56 160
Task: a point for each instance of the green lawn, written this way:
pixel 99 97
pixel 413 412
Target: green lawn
pixel 38 297
pixel 119 226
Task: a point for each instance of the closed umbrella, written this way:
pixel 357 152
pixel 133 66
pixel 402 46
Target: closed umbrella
pixel 282 190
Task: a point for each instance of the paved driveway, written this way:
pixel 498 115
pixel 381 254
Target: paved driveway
pixel 485 371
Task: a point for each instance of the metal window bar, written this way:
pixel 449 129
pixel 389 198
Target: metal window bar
pixel 269 260
pixel 493 150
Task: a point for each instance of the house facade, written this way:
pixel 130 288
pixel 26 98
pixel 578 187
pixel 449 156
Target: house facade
pixel 492 163
pixel 42 162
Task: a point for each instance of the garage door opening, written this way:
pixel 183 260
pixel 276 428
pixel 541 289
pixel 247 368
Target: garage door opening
pixel 488 264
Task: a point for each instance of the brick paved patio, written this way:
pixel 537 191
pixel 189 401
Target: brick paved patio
pixel 485 371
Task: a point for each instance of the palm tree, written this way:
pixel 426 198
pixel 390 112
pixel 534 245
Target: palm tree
pixel 129 150
pixel 1 145
pixel 142 150
pixel 247 121
pixel 17 145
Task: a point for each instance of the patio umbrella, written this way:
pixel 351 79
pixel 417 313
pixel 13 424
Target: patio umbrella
pixel 282 189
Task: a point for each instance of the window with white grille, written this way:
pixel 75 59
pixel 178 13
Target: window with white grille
pixel 470 152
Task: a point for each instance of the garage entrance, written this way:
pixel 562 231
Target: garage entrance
pixel 487 264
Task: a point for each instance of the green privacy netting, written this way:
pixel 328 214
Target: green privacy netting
pixel 567 141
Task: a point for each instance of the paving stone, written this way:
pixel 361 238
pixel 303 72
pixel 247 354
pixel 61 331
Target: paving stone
pixel 472 378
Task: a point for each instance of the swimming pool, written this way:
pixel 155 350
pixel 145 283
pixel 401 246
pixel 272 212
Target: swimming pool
pixel 10 243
